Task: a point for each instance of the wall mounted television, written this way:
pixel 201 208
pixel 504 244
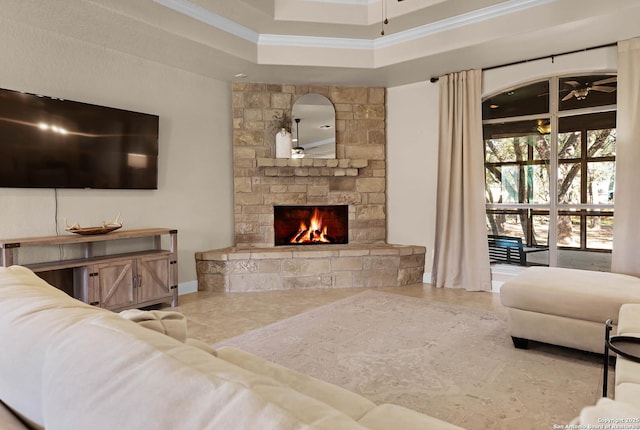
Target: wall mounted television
pixel 47 142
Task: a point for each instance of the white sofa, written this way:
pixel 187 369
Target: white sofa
pixel 67 365
pixel 624 411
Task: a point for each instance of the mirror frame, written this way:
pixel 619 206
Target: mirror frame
pixel 314 123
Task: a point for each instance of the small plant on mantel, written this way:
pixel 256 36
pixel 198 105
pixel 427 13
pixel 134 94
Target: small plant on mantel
pixel 282 120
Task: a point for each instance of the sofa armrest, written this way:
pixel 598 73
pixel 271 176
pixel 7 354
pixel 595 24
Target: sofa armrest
pixel 170 323
pixel 345 401
pixel 608 411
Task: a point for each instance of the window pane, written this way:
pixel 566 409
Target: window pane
pixel 541 229
pixel 517 184
pixel 569 231
pixel 569 183
pixel 493 184
pixel 506 186
pixel 539 191
pixel 527 100
pixel 542 150
pixel 600 232
pixel 507 222
pixel 517 141
pixel 600 182
pixel 569 145
pixel 506 150
pixel 587 91
pixel 592 121
pixel 601 143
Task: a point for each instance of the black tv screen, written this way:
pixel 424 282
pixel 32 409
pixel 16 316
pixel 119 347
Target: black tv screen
pixel 47 142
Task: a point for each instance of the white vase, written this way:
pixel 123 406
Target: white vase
pixel 283 144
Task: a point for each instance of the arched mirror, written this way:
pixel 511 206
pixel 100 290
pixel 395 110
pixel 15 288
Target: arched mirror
pixel 314 127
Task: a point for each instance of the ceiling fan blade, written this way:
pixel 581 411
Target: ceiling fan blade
pixel 568 96
pixel 604 89
pixel 574 84
pixel 606 81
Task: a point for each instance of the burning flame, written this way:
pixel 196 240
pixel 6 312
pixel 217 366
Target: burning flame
pixel 315 233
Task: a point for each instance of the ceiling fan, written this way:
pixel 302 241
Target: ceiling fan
pixel 581 91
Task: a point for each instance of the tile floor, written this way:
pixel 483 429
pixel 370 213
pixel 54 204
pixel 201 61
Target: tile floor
pixel 215 316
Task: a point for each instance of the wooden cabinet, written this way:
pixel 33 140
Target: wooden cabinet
pixel 110 285
pixel 113 281
pixel 152 275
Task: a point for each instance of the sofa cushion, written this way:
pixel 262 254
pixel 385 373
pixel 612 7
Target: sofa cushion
pixel 627 371
pixel 346 401
pixel 629 320
pixel 610 414
pixel 579 294
pixel 170 323
pixel 629 392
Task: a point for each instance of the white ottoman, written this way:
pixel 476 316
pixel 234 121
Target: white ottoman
pixel 566 307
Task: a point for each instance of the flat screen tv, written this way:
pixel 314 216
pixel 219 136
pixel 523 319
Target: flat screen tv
pixel 47 142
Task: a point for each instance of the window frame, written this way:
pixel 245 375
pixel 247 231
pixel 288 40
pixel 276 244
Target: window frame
pixel 553 209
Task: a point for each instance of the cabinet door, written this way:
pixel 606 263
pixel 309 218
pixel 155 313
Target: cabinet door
pixel 116 284
pixel 153 276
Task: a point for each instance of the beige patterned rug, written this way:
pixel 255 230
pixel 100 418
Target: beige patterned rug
pixel 446 360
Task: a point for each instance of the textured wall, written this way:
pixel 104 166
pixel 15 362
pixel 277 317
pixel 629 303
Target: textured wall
pixel 357 177
pixel 195 179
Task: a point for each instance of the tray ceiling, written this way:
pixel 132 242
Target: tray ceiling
pixel 335 41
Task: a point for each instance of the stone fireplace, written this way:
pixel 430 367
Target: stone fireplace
pixel 311 225
pixel 355 181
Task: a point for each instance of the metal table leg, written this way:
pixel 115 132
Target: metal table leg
pixel 605 377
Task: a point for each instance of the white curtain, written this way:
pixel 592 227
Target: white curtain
pixel 461 254
pixel 626 228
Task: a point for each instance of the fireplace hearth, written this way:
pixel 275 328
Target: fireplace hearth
pixel 311 225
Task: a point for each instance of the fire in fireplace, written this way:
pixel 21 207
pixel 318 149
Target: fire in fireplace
pixel 311 225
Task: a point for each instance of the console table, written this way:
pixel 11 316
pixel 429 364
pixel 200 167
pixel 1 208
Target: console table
pixel 112 280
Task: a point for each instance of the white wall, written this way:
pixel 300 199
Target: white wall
pixel 195 164
pixel 412 151
pixel 412 140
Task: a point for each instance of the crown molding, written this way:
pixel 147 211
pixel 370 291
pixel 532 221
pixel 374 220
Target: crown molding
pixel 464 19
pixel 354 2
pixel 204 15
pixel 314 42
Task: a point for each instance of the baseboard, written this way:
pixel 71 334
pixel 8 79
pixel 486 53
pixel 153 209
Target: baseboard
pixel 426 278
pixel 187 287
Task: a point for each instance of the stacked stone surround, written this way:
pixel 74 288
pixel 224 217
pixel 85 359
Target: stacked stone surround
pixel 357 177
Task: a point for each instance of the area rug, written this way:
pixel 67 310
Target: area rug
pixel 450 361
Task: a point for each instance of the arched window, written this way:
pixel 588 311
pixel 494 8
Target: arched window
pixel 550 168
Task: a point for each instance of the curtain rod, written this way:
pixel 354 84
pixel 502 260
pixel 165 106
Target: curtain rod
pixel 552 56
